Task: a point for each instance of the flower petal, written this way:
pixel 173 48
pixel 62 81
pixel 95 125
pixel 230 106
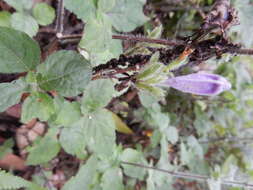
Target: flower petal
pixel 198 83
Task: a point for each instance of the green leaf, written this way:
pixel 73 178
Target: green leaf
pixel 37 105
pixel 11 93
pixel 45 149
pixel 67 112
pixel 99 129
pixel 44 14
pixel 160 178
pixel 5 18
pixel 83 10
pixel 97 95
pixel 171 134
pixel 106 5
pixel 99 41
pixel 85 177
pixel 17 57
pixel 126 15
pixel 9 181
pixel 6 147
pixel 20 5
pixel 184 154
pixel 195 147
pixel 245 27
pixel 66 72
pixel 133 156
pixel 72 139
pixel 112 179
pixel 24 23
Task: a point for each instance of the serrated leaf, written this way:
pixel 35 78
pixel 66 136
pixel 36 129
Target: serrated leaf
pixel 17 57
pixel 67 112
pixel 45 149
pixel 120 125
pixel 133 156
pixel 20 5
pixel 99 129
pixel 112 179
pixel 99 41
pixel 6 147
pixel 126 15
pixel 85 176
pixel 25 23
pixel 11 93
pixel 97 95
pixel 66 72
pixel 43 13
pixel 37 105
pixel 83 10
pixel 9 181
pixel 106 5
pixel 5 19
pixel 72 139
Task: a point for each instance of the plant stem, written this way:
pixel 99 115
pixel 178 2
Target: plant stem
pixel 241 51
pixel 131 38
pixel 192 176
pixel 59 19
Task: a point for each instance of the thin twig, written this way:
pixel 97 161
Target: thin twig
pixel 227 139
pixel 241 51
pixel 59 19
pixel 192 176
pixel 132 38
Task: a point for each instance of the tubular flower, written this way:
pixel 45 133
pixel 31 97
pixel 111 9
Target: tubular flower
pixel 198 83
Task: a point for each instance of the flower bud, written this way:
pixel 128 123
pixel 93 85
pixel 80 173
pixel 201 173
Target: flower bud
pixel 200 83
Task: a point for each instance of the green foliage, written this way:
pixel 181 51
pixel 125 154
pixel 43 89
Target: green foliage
pixel 85 178
pixel 85 11
pixel 24 20
pixel 112 179
pixel 11 93
pixel 99 129
pixel 172 131
pixel 133 156
pixel 122 20
pixel 38 105
pixel 20 5
pixel 67 112
pixel 246 21
pixel 6 147
pixel 48 144
pixel 66 72
pixel 72 140
pixel 97 95
pixel 5 19
pixel 8 181
pixel 44 14
pixel 100 16
pixel 25 23
pixel 17 57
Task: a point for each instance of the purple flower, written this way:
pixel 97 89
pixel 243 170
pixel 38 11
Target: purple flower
pixel 200 83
